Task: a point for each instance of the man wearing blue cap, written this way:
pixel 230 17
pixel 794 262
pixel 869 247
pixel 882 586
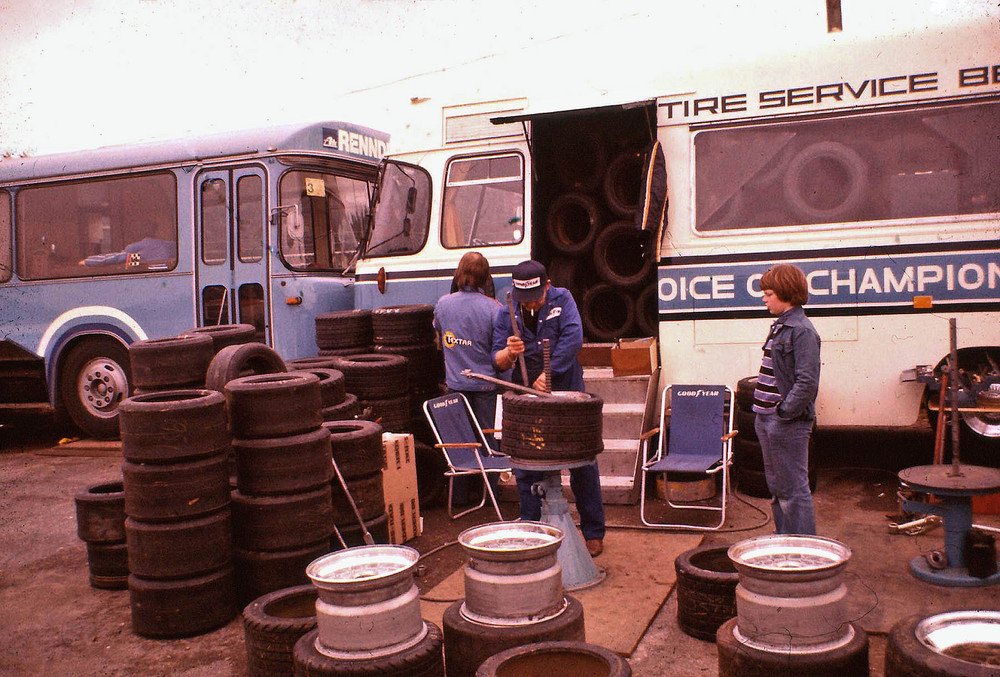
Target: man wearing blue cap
pixel 547 312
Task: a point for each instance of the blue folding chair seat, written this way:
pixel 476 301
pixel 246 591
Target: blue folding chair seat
pixel 700 442
pixel 463 443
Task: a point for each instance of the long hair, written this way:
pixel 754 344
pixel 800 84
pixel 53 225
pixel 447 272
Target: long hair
pixel 473 271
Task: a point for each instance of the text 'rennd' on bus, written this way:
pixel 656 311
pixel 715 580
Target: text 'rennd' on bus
pixel 102 248
pixel 872 161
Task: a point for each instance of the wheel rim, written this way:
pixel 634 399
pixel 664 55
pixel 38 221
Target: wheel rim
pixel 101 387
pixel 969 636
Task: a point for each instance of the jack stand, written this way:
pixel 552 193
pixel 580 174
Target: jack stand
pixel 578 568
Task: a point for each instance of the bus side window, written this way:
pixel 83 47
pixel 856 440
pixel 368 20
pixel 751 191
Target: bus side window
pixel 483 202
pixel 249 218
pixel 5 256
pixel 214 221
pixel 97 227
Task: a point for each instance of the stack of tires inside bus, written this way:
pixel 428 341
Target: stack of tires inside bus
pixel 588 189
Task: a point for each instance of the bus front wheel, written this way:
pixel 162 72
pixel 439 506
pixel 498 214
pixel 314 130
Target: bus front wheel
pixel 93 382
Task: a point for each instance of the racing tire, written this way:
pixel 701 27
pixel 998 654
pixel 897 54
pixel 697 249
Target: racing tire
pixel 745 425
pixel 344 329
pixel 182 549
pixel 572 223
pixel 468 644
pixel 247 359
pixel 548 438
pixel 100 513
pixel 286 522
pixel 807 167
pixel 647 311
pixel 424 659
pixel 272 623
pixel 706 591
pixel 348 409
pixel 177 491
pixel 107 564
pixel 224 335
pixel 554 658
pixel 745 388
pixel 620 258
pixel 607 313
pixel 274 405
pixel 94 379
pixel 907 656
pixel 164 363
pixel 403 325
pixel 283 465
pixel 331 384
pixel 356 447
pixel 182 608
pixel 174 425
pixel 622 186
pixel 739 660
pixel 368 494
pixel 392 413
pixel 373 375
pixel 259 573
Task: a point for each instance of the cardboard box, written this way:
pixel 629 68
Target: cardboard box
pixel 399 483
pixel 634 357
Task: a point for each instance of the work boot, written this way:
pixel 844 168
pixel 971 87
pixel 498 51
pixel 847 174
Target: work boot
pixel 595 546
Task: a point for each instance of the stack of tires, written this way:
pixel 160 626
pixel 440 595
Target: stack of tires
pixel 282 509
pixel 178 525
pixel 338 404
pixel 748 461
pixel 408 331
pixel 344 332
pixel 379 382
pixel 598 253
pixel 358 452
pixel 100 523
pixel 513 596
pixel 172 363
pixel 706 590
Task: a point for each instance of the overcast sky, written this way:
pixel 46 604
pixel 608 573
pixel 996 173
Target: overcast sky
pixel 85 73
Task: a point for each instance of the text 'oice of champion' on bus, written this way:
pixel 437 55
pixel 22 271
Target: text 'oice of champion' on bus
pixel 839 281
pixel 872 88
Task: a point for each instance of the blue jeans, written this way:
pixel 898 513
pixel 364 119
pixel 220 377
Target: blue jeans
pixel 785 447
pixel 585 482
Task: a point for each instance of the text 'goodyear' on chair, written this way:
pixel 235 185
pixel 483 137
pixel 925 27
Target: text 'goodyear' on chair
pixel 464 445
pixel 700 443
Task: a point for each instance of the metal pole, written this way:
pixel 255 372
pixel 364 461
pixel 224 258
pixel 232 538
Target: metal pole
pixel 547 365
pixel 953 374
pixel 468 373
pixel 513 328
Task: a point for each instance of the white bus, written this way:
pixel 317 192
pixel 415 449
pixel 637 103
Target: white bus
pixel 874 165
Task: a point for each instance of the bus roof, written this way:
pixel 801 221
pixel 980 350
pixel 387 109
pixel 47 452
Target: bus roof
pixel 345 140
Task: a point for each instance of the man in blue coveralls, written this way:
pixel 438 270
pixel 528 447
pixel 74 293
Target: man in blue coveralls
pixel 547 312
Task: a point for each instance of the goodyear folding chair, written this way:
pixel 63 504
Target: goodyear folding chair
pixel 700 443
pixel 464 445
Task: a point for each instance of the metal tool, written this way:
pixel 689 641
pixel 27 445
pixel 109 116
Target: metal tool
pixel 547 365
pixel 350 499
pixel 914 527
pixel 468 373
pixel 517 333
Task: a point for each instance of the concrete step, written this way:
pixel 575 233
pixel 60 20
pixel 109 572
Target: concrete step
pixel 623 421
pixel 603 383
pixel 618 457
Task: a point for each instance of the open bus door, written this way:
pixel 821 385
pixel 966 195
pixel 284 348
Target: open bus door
pixel 232 268
pixel 398 227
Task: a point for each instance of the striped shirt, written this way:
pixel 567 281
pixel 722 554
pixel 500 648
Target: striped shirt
pixel 766 396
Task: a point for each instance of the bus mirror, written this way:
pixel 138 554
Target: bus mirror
pixel 411 200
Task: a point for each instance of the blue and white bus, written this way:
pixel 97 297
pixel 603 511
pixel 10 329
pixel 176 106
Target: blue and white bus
pixel 102 248
pixel 869 158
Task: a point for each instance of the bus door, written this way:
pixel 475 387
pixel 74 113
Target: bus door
pixel 232 268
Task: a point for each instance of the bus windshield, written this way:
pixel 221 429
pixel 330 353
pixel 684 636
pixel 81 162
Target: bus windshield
pixel 323 218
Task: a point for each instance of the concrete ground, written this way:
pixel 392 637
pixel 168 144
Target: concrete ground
pixel 54 623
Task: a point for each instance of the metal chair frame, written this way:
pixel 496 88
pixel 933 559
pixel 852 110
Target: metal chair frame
pixel 490 462
pixel 660 462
